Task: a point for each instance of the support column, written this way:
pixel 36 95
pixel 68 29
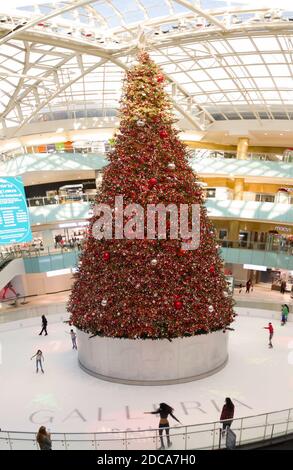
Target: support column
pixel 238 189
pixel 242 148
pixel 234 230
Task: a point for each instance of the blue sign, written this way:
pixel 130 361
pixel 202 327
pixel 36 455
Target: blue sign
pixel 14 216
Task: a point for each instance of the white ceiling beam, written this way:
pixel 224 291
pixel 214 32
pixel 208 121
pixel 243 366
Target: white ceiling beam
pixel 202 13
pixel 58 11
pixel 57 92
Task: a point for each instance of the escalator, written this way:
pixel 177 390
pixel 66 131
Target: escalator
pixel 9 268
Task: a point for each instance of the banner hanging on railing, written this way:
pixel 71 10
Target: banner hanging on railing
pixel 14 215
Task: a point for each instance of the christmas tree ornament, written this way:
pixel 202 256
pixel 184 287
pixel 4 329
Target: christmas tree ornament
pixel 104 303
pixel 211 308
pixel 163 134
pixel 154 262
pixel 160 78
pixel 171 166
pixel 140 123
pixel 152 182
pixel 212 269
pixel 178 304
pixel 106 256
pixel 181 252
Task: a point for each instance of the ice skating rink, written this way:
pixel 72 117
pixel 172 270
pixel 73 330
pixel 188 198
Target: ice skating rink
pixel 66 399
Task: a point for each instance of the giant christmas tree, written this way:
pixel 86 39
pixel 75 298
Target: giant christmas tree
pixel 149 288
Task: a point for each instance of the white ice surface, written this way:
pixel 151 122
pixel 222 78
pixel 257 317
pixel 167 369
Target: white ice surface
pixel 66 399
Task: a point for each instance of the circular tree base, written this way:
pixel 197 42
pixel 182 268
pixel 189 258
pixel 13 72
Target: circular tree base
pixel 153 362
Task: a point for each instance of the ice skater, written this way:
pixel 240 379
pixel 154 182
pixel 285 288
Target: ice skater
pixel 248 286
pixel 164 411
pixel 271 332
pixel 285 313
pixel 73 339
pixel 44 326
pixel 39 358
pixel 227 415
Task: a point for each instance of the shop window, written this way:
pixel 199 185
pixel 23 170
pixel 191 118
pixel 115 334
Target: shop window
pixel 265 197
pixel 211 192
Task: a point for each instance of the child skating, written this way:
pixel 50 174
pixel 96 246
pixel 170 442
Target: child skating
pixel 271 333
pixel 39 358
pixel 73 339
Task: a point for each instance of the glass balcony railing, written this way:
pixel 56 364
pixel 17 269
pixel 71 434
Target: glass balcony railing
pixel 57 200
pixel 249 430
pixel 285 248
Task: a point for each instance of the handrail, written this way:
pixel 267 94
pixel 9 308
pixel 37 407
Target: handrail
pixel 209 423
pixel 31 251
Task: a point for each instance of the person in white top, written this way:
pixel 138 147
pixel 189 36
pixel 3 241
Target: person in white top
pixel 39 358
pixel 73 339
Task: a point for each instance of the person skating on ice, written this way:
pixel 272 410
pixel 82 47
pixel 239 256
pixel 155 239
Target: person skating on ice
pixel 285 313
pixel 44 326
pixel 39 358
pixel 271 333
pixel 248 286
pixel 73 339
pixel 164 411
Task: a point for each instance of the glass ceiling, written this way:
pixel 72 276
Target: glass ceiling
pixel 224 60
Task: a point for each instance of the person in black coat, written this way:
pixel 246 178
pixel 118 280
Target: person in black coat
pixel 44 325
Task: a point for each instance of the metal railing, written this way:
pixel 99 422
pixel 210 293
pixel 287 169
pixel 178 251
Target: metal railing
pixel 286 248
pixel 33 251
pixel 253 430
pixel 30 251
pixel 57 200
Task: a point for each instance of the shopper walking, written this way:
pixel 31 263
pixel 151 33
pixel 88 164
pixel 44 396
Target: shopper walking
pixel 44 439
pixel 271 333
pixel 39 358
pixel 248 286
pixel 44 326
pixel 227 415
pixel 283 287
pixel 164 411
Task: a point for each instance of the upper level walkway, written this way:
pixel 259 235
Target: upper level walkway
pixel 204 166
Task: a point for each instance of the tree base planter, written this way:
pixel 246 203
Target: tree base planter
pixel 153 362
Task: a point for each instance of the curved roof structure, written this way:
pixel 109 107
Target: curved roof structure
pixel 224 60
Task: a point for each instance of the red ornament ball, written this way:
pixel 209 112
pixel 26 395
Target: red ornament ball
pixel 178 304
pixel 152 182
pixel 160 78
pixel 212 269
pixel 181 252
pixel 106 256
pixel 163 134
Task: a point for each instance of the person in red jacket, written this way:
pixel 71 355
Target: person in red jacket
pixel 271 332
pixel 227 415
